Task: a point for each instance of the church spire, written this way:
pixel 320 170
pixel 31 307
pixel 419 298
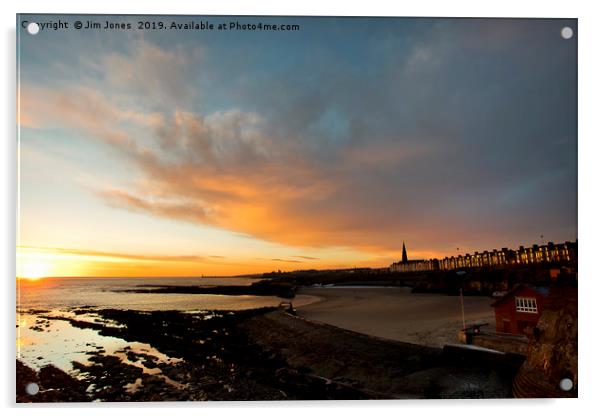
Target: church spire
pixel 404 254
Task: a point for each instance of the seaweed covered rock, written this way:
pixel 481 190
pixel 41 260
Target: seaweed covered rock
pixel 51 385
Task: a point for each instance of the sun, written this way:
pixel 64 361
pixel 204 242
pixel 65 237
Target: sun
pixel 34 270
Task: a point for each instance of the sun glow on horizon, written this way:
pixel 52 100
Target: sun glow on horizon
pixel 35 263
pixel 34 270
pixel 39 264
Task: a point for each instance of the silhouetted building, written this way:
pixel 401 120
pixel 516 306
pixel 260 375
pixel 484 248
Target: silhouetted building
pixel 405 265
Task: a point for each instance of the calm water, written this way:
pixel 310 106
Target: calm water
pixel 42 341
pixel 58 293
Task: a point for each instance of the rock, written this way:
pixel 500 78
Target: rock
pixel 552 350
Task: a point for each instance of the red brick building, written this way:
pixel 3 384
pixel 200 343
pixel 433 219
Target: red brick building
pixel 519 309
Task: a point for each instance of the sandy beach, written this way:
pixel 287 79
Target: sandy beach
pixel 396 313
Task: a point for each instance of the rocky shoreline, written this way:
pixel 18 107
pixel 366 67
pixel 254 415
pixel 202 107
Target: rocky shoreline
pixel 214 361
pixel 261 288
pixel 261 354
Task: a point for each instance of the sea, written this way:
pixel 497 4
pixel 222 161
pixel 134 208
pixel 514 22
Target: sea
pixel 59 293
pixel 42 340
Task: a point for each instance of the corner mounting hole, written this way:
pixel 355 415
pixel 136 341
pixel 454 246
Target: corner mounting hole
pixel 32 389
pixel 33 28
pixel 566 384
pixel 566 32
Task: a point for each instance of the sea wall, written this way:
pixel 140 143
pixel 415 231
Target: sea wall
pixel 505 343
pixel 377 367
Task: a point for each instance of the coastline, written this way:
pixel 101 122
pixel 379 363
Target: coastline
pixel 259 354
pixel 343 343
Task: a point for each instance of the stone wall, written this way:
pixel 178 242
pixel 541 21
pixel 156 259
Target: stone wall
pixel 552 349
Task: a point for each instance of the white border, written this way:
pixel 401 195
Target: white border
pixel 590 135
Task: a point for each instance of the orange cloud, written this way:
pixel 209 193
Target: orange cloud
pixel 223 170
pixel 108 254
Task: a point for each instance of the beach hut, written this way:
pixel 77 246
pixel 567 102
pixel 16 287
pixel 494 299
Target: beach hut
pixel 519 309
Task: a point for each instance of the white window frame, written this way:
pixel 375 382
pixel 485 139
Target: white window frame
pixel 526 305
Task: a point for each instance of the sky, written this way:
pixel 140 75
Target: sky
pixel 189 153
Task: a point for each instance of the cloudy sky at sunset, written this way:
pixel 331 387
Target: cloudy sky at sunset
pixel 219 153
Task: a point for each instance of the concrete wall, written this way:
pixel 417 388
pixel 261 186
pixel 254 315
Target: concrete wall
pixel 504 343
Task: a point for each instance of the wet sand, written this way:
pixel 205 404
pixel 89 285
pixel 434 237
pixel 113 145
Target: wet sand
pixel 395 313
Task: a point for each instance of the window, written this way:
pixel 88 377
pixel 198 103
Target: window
pixel 528 305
